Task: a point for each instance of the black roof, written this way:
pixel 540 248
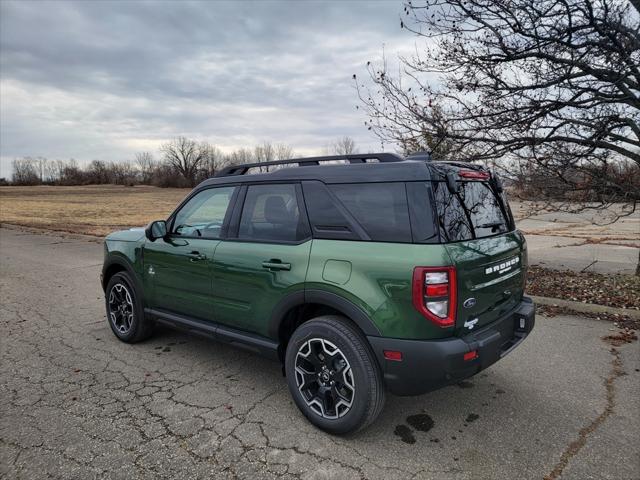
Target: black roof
pixel 353 173
pixel 386 167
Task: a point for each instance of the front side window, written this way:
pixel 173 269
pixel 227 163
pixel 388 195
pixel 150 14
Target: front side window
pixel 272 213
pixel 203 215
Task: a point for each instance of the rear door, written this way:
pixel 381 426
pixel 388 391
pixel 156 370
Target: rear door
pixel 488 253
pixel 265 257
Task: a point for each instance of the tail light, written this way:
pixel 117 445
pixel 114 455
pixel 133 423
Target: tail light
pixel 434 294
pixel 473 174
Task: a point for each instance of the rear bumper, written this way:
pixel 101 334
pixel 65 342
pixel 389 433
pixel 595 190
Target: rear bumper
pixel 430 364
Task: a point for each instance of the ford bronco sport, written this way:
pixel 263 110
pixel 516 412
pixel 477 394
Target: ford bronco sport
pixel 360 273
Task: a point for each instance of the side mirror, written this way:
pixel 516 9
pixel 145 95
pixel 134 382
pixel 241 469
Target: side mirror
pixel 155 230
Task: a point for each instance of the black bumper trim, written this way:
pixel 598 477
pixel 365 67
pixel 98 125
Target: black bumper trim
pixel 430 364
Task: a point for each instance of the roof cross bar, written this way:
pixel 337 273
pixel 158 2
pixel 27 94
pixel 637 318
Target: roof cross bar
pixel 352 158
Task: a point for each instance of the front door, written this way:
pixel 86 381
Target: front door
pixel 177 269
pixel 265 258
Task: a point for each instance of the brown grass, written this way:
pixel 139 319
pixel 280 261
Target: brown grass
pixel 90 210
pixel 100 209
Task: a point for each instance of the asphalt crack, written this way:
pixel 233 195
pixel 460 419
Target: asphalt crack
pixel 575 446
pixel 76 402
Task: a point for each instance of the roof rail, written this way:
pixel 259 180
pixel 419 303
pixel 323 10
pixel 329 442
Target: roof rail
pixel 352 158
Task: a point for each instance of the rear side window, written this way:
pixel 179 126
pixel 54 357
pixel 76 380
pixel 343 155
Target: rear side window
pixel 380 208
pixel 329 219
pixel 272 213
pixel 473 212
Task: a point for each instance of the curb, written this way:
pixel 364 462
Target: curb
pixel 585 307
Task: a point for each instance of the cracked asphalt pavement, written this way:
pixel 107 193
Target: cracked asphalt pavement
pixel 77 403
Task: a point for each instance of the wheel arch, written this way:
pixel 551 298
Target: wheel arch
pixel 115 264
pixel 298 307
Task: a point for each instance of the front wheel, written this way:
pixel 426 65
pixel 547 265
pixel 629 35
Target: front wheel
pixel 125 312
pixel 333 376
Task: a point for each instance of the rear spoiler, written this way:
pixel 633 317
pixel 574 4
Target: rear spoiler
pixel 452 179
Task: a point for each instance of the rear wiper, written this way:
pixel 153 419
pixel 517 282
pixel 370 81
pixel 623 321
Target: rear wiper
pixel 492 226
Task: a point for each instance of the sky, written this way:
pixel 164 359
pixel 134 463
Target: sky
pixel 104 80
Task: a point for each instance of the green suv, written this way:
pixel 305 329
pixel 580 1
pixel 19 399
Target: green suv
pixel 359 273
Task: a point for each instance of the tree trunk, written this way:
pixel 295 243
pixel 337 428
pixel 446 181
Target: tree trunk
pixel 638 265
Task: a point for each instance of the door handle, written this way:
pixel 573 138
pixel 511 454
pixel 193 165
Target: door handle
pixel 275 264
pixel 196 256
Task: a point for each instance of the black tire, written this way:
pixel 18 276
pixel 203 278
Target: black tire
pixel 139 328
pixel 366 392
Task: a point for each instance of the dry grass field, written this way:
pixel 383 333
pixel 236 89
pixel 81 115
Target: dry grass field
pixel 90 210
pixel 100 209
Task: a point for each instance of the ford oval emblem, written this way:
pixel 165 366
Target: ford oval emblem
pixel 469 302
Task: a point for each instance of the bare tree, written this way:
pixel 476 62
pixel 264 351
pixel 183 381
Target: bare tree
pixel 550 87
pixel 146 165
pixel 99 172
pixel 242 155
pixel 122 173
pixel 268 152
pixel 283 151
pixel 70 173
pixel 52 171
pixel 185 156
pixel 263 153
pixel 41 167
pixel 25 171
pixel 213 161
pixel 344 146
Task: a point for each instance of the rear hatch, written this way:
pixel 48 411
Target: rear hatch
pixel 479 234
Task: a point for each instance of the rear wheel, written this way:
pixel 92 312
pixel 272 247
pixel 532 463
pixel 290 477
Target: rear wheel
pixel 333 376
pixel 125 312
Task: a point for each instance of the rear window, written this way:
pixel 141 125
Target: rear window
pixel 473 212
pixel 380 208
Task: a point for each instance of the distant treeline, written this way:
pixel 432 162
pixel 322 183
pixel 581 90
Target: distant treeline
pixel 182 163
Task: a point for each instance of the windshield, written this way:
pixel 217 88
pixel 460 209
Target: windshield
pixel 475 211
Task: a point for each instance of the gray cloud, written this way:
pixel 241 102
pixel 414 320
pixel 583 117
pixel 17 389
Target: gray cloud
pixel 106 79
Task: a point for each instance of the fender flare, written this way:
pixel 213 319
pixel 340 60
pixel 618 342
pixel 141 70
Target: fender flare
pixel 322 297
pixel 122 262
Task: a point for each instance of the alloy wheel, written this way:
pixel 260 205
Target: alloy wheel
pixel 324 378
pixel 121 308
